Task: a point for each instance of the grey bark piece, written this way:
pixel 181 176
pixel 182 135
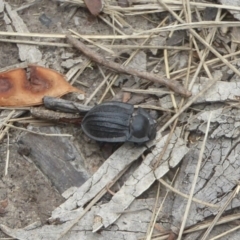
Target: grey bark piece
pixel 127 226
pixel 236 3
pixel 219 174
pixel 111 168
pixel 46 232
pixel 26 52
pixel 219 92
pixel 224 122
pixel 56 156
pixel 1 6
pixel 143 177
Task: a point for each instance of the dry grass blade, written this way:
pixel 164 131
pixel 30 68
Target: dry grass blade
pixel 199 38
pixel 38 133
pixel 202 226
pixel 153 217
pixel 230 198
pixel 186 26
pixel 152 5
pixel 153 107
pixel 194 180
pixel 182 72
pixel 107 48
pixel 93 43
pixel 130 59
pixel 78 71
pixel 185 195
pixel 150 230
pixel 107 83
pixel 189 103
pixel 203 55
pixel 35 43
pixel 63 36
pixel 173 5
pixel 206 224
pixel 6 129
pixel 97 89
pixel 9 116
pixel 225 233
pixel 7 156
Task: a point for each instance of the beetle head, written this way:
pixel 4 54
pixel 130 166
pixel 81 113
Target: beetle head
pixel 143 127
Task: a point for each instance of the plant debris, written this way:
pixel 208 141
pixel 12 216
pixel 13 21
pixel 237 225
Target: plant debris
pixel 177 59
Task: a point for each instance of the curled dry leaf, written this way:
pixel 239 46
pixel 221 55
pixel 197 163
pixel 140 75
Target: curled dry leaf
pixel 17 90
pixel 94 6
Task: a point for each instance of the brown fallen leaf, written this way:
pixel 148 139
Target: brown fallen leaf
pixel 16 90
pixel 94 6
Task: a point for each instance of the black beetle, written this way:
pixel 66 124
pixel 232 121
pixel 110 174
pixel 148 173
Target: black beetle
pixel 116 122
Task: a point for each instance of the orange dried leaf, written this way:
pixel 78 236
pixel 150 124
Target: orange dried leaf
pixel 16 90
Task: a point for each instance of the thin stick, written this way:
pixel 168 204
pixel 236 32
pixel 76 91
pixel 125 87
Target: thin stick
pixel 173 85
pixel 194 180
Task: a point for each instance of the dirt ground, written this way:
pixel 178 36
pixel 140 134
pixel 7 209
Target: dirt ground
pixel 30 194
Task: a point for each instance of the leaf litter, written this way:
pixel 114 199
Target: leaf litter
pixel 179 143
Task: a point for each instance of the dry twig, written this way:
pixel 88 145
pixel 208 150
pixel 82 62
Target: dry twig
pixel 173 85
